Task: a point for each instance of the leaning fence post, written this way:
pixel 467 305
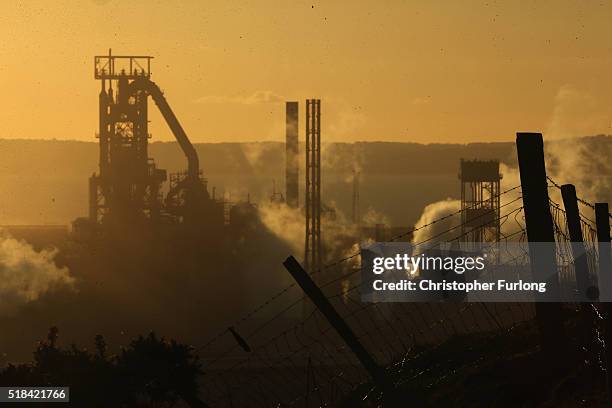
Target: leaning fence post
pixel 539 225
pixel 572 213
pixel 602 222
pixel 581 267
pixel 342 328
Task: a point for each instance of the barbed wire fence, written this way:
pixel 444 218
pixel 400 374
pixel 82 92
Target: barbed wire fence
pixel 297 358
pixel 286 353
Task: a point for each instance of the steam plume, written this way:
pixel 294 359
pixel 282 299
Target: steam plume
pixel 26 274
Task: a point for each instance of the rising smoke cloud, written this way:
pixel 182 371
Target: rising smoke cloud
pixel 443 208
pixel 570 157
pixel 433 212
pixel 25 274
pixel 581 163
pixel 286 223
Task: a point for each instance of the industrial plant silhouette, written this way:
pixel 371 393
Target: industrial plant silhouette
pixel 163 253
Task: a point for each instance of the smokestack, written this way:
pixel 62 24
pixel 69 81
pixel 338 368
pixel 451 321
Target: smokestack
pixel 356 214
pixel 291 154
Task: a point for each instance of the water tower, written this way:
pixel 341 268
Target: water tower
pixel 480 201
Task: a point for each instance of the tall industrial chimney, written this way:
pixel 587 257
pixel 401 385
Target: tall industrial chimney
pixel 312 196
pixel 291 154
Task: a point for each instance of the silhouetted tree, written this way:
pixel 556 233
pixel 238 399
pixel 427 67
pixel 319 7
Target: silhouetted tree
pixel 149 372
pixel 159 372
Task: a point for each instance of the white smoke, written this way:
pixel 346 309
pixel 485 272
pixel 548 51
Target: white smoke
pixel 571 158
pixel 288 224
pixel 509 203
pixel 436 211
pixel 579 162
pixel 25 274
pixel 285 222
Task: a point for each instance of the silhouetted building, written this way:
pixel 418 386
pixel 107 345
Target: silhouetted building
pixel 126 193
pixel 291 155
pixel 480 200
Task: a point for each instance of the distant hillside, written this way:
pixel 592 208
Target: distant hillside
pixel 45 181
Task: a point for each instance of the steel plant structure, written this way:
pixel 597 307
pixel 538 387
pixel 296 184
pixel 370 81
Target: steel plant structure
pixel 128 190
pixel 480 200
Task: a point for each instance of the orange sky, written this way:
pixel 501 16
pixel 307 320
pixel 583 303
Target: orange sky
pixel 425 71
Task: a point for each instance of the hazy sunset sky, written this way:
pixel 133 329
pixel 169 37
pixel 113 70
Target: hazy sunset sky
pixel 424 71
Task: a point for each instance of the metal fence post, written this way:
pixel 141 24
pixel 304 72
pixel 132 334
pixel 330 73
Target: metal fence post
pixel 539 225
pixel 342 328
